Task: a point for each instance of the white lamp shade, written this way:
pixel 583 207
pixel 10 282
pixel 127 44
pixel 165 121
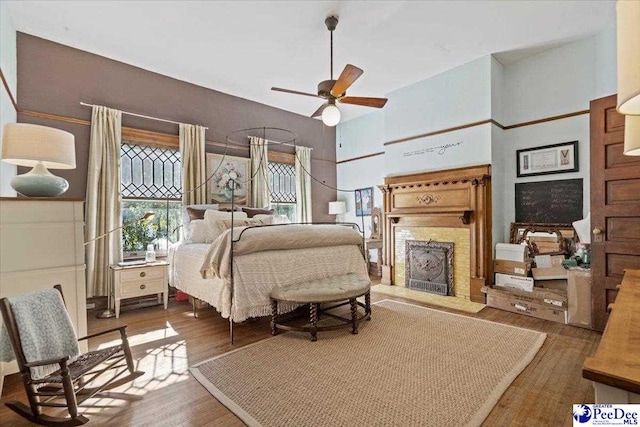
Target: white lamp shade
pixel 628 12
pixel 26 144
pixel 330 115
pixel 632 135
pixel 337 208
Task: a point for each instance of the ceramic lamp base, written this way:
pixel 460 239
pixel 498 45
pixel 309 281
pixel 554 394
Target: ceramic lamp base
pixel 39 182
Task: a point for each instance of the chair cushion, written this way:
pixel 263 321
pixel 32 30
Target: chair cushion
pixel 324 290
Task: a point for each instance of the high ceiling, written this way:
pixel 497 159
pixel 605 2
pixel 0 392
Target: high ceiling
pixel 245 47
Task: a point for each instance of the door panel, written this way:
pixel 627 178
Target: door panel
pixel 615 207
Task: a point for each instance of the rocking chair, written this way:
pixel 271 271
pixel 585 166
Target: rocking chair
pixel 71 380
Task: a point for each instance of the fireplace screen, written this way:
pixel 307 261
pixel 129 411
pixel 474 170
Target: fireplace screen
pixel 429 266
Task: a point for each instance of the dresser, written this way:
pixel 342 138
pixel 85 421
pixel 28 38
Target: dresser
pixel 41 245
pixel 615 367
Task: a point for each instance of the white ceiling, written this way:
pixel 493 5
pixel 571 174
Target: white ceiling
pixel 245 47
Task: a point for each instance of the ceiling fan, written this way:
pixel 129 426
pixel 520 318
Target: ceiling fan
pixel 336 90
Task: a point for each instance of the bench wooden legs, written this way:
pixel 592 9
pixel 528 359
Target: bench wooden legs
pixel 313 315
pixel 278 323
pixel 354 315
pixel 274 315
pixel 367 305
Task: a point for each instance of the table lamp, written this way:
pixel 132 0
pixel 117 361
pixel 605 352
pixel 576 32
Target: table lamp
pixel 109 313
pixel 42 148
pixel 337 208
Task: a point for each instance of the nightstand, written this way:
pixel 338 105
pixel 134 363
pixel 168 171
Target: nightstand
pixel 370 244
pixel 140 280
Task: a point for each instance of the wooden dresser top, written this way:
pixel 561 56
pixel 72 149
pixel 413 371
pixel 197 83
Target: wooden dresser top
pixel 617 359
pixel 40 199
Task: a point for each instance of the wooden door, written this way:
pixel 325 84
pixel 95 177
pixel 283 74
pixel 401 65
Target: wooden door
pixel 615 207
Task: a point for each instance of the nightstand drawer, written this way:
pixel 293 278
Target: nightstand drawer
pixel 142 287
pixel 145 274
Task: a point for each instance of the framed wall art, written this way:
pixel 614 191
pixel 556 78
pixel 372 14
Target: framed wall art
pixel 229 171
pixel 364 201
pixel 548 159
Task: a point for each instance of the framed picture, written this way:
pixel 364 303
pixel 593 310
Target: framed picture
pixel 364 201
pixel 548 159
pixel 229 171
pixel 376 224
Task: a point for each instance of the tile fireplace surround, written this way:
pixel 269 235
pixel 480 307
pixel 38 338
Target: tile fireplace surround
pixel 451 202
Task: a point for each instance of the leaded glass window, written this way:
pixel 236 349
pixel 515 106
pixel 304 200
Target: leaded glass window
pixel 150 172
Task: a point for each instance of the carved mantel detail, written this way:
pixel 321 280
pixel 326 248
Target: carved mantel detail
pixel 427 199
pixel 446 198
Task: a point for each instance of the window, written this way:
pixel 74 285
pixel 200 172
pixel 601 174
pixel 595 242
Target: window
pixel 151 181
pixel 282 184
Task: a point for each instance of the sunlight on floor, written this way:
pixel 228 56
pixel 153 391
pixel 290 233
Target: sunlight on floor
pixel 164 363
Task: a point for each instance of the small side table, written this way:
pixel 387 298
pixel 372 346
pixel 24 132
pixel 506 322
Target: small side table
pixel 140 280
pixel 375 244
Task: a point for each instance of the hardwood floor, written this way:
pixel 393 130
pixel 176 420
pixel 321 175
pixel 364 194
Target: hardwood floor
pixel 166 343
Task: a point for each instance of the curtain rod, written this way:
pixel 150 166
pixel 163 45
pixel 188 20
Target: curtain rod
pixel 281 143
pixel 140 115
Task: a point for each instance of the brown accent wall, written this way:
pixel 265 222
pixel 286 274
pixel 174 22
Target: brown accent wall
pixel 54 79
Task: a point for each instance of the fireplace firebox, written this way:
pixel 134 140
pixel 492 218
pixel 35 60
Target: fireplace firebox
pixel 429 266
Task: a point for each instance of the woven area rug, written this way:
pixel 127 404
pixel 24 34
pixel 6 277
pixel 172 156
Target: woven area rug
pixel 429 298
pixel 408 366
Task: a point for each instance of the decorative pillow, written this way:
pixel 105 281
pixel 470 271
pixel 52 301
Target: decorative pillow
pixel 281 219
pixel 211 218
pixel 195 213
pixel 185 215
pixel 236 209
pixel 225 224
pixel 251 212
pixel 267 219
pixel 199 232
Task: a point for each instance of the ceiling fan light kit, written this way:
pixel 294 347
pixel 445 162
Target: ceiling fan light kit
pixel 336 90
pixel 330 115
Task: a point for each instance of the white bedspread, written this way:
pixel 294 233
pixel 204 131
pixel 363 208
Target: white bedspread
pixel 256 274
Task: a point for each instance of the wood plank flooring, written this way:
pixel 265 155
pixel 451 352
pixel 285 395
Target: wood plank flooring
pixel 166 343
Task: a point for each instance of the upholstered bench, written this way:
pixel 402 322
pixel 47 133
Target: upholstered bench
pixel 345 288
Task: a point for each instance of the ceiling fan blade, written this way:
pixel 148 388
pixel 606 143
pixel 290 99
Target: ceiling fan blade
pixel 367 102
pixel 295 92
pixel 349 75
pixel 318 112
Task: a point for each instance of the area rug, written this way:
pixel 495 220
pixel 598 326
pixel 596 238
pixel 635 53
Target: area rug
pixel 443 301
pixel 408 366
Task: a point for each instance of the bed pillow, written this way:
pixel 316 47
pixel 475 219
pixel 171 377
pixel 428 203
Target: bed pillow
pixel 267 219
pixel 212 217
pixel 251 212
pixel 186 219
pixel 225 224
pixel 198 232
pixel 281 219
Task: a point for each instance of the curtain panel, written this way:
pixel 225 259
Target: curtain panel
pixel 192 155
pixel 303 184
pixel 260 195
pixel 103 205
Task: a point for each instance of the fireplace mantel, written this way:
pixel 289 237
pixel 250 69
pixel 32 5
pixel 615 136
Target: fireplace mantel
pixel 446 198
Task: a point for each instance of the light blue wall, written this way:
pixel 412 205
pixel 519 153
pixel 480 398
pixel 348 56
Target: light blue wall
pixel 555 82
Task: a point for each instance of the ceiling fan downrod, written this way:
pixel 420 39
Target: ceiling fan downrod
pixel 331 22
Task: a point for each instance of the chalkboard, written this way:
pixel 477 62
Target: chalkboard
pixel 549 201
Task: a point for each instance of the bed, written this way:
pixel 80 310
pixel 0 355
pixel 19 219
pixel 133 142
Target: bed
pixel 263 257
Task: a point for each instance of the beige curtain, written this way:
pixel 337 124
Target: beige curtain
pixel 103 210
pixel 303 184
pixel 194 173
pixel 260 197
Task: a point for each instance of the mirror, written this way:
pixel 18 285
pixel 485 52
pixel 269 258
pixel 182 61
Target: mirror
pixel 544 238
pixel 376 223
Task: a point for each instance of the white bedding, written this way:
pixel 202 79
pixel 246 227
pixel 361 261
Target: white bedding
pixel 256 274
